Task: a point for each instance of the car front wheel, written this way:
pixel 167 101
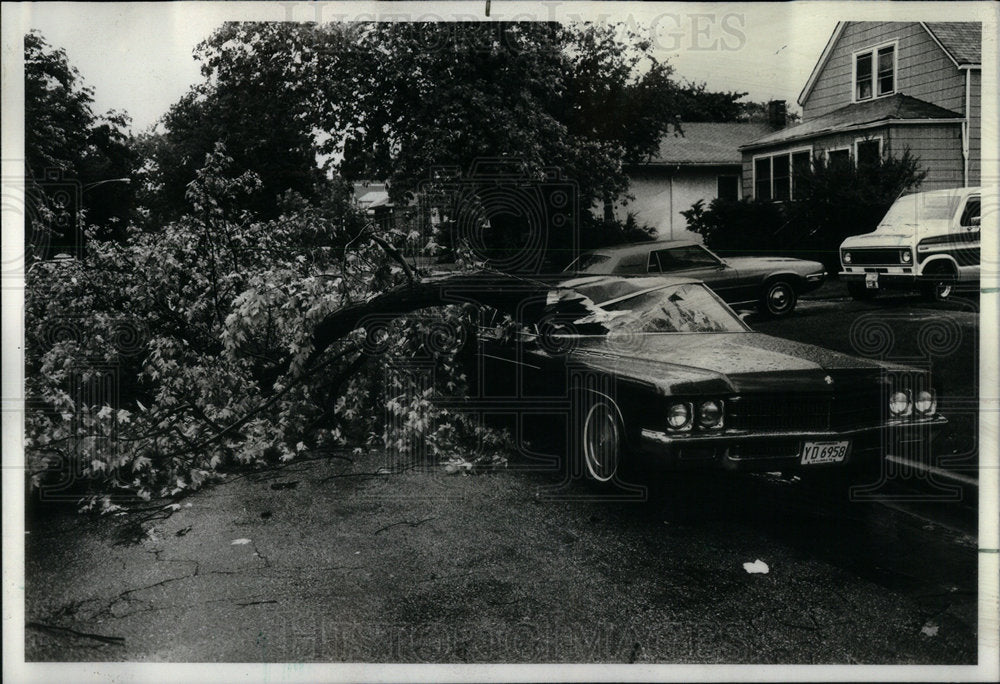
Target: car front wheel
pixel 778 298
pixel 602 441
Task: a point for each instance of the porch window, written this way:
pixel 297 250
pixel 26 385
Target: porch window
pixel 781 172
pixel 868 152
pixel 801 163
pixel 774 175
pixel 762 178
pixel 838 157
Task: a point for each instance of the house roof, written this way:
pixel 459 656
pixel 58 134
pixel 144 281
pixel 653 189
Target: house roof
pixel 373 198
pixel 962 40
pixel 896 107
pixel 707 144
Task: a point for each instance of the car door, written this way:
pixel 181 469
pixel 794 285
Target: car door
pixel 694 261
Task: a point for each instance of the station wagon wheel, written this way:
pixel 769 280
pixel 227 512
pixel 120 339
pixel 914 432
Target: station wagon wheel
pixel 602 441
pixel 778 298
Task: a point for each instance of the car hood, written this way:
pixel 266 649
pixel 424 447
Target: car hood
pixel 901 235
pixel 880 239
pixel 725 362
pixel 768 264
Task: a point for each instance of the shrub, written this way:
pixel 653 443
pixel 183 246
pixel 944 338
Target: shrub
pixel 833 201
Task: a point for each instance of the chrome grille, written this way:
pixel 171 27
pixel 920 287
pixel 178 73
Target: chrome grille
pixel 863 257
pixel 774 412
pixel 847 408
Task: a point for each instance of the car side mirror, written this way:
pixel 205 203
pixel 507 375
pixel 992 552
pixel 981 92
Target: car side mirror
pixel 975 221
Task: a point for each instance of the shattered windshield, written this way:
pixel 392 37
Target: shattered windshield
pixel 684 308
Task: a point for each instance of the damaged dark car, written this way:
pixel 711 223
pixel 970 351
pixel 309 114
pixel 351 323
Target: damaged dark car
pixel 661 370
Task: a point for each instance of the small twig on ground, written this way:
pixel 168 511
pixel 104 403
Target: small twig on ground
pixel 86 635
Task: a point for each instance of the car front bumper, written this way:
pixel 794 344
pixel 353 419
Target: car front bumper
pixel 889 277
pixel 782 450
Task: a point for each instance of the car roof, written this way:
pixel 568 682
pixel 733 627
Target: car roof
pixel 604 288
pixel 641 247
pixel 949 192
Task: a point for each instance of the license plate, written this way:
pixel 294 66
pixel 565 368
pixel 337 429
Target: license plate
pixel 824 452
pixel 871 281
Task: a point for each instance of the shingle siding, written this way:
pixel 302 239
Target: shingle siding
pixel 975 130
pixel 923 69
pixel 939 149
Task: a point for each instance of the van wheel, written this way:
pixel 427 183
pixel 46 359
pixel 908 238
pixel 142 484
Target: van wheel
pixel 859 292
pixel 940 283
pixel 937 292
pixel 778 298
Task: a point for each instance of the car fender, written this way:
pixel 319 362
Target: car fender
pixel 795 278
pixel 937 259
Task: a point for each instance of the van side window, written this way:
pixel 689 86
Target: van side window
pixel 971 212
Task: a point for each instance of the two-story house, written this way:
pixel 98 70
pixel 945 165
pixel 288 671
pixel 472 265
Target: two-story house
pixel 878 89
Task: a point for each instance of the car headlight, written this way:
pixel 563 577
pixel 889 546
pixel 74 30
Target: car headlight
pixel 847 257
pixel 679 416
pixel 926 402
pixel 899 403
pixel 905 256
pixel 710 414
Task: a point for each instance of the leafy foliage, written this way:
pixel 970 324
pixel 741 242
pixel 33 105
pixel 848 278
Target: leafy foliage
pixel 167 357
pixel 833 201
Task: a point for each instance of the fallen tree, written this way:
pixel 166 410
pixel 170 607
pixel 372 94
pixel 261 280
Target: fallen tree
pixel 158 362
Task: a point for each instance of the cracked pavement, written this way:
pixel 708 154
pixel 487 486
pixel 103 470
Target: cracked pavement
pixel 424 566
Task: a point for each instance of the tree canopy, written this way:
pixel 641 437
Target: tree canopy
pixel 396 101
pixel 77 164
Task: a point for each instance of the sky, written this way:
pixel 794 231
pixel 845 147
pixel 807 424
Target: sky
pixel 138 57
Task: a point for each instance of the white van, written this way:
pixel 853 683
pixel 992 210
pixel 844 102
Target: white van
pixel 927 241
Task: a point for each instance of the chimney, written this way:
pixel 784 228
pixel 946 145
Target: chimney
pixel 777 113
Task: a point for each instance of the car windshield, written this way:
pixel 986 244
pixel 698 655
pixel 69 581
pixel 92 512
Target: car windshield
pixel 684 308
pixel 914 210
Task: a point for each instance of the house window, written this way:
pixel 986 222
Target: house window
pixel 774 175
pixel 887 70
pixel 868 152
pixel 838 157
pixel 762 178
pixel 781 174
pixel 728 188
pixel 875 72
pixel 863 77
